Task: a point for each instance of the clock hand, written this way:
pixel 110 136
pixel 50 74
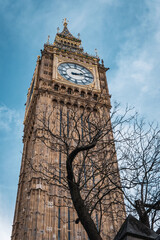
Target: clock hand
pixel 88 77
pixel 79 74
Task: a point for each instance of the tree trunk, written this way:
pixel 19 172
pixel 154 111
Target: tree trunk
pixel 82 213
pixel 143 216
pixel 77 200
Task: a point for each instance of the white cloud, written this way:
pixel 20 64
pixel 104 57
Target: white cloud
pixel 136 79
pixel 11 124
pixel 5 221
pixel 9 118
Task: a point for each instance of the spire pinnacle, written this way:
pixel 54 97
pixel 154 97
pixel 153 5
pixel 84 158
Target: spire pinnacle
pixel 65 22
pixel 48 39
pixel 96 51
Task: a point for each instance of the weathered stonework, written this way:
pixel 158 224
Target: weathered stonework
pixel 40 203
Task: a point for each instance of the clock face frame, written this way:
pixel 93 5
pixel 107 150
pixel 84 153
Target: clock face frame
pixel 75 73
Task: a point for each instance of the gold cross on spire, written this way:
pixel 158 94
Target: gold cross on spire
pixel 65 22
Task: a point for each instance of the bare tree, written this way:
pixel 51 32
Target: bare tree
pixel 139 161
pixel 89 171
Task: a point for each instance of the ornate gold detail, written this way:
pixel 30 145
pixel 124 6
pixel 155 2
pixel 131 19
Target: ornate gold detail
pixel 65 22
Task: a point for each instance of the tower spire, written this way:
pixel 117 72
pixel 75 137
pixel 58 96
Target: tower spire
pixel 65 22
pixel 65 33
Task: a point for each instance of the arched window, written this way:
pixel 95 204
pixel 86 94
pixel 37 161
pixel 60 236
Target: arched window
pixel 95 97
pixel 63 87
pixel 82 94
pixel 56 87
pixel 68 104
pixel 75 105
pixel 76 91
pixel 54 101
pixel 69 90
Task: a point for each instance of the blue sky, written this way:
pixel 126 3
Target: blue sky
pixel 127 36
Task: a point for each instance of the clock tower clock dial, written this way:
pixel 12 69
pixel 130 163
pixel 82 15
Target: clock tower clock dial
pixel 75 73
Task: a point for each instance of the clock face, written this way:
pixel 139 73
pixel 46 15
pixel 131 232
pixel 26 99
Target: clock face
pixel 75 73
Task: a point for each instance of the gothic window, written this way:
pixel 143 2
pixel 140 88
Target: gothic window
pixel 69 91
pixel 50 197
pixel 95 97
pixel 59 223
pixel 69 235
pixel 76 91
pixel 45 72
pixel 28 195
pixel 68 104
pixel 82 107
pixel 59 234
pixel 56 87
pixel 46 64
pixel 82 94
pixel 63 88
pixel 75 105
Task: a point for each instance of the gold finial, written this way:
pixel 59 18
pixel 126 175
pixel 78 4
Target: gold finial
pixel 48 39
pixel 38 58
pixel 65 22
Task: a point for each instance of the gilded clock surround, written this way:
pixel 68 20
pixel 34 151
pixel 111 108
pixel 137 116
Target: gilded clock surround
pixel 91 66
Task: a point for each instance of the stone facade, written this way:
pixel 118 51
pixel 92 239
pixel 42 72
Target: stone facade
pixel 43 210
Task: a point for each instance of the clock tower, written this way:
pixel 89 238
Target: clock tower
pixel 65 77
